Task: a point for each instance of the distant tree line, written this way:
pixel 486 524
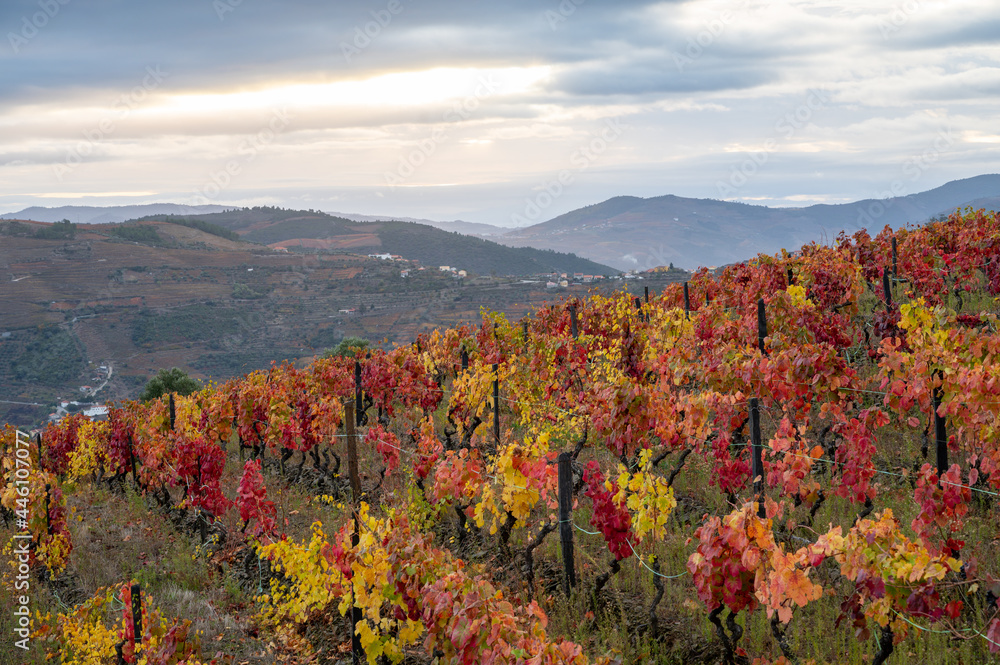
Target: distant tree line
pixel 143 234
pixel 64 230
pixel 193 223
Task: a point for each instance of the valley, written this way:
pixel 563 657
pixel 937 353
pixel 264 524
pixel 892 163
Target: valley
pixel 216 307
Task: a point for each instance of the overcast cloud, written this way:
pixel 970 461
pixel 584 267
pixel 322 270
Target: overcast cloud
pixel 467 109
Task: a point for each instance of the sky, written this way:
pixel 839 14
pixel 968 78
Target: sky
pixel 507 113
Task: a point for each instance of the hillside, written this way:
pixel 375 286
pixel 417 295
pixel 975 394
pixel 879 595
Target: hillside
pixel 458 226
pixel 300 230
pixel 798 483
pixel 634 233
pixel 138 297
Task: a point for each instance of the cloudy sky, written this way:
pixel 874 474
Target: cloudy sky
pixel 499 112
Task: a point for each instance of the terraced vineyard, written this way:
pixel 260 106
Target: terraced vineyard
pixel 795 460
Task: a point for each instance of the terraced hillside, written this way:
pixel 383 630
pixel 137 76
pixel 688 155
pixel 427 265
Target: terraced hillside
pixel 216 307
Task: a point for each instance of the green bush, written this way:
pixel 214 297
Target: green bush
pixel 350 347
pixel 244 292
pixel 64 230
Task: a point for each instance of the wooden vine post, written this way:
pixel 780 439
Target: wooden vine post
pixel 895 258
pixel 646 289
pixel 202 520
pixel 573 328
pixel 566 519
pixel 687 301
pixel 173 412
pixel 357 651
pixel 761 325
pixel 940 427
pixel 496 405
pixel 48 519
pixel 358 406
pixel 887 289
pixel 756 450
pixel 465 360
pixel 41 460
pixel 758 464
pixel 136 615
pixel 352 454
pixel 131 459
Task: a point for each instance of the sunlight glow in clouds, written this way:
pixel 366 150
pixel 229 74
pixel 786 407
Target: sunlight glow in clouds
pixel 433 86
pixel 493 100
pixel 83 195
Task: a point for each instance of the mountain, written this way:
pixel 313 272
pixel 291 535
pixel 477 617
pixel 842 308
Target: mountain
pixel 628 233
pixel 312 231
pixel 91 311
pixel 458 226
pixel 108 215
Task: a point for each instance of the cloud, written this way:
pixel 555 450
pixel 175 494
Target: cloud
pixel 697 84
pixel 646 78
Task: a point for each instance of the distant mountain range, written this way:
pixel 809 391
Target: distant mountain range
pixel 314 231
pixel 631 233
pixel 457 226
pixel 119 214
pixel 109 215
pixel 625 232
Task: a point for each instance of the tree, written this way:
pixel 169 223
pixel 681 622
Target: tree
pixel 64 230
pixel 351 347
pixel 173 380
